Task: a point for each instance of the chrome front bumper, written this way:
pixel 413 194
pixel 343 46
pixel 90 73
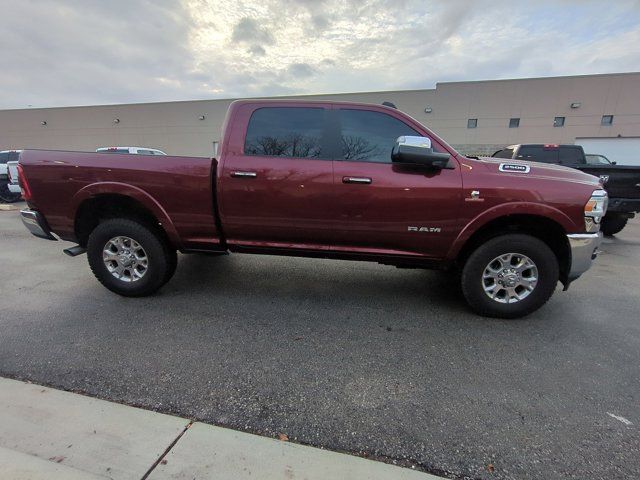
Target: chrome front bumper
pixel 584 249
pixel 36 224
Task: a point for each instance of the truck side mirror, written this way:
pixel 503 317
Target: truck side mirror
pixel 413 150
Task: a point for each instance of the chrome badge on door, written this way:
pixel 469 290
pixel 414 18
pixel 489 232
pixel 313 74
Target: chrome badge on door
pixel 425 229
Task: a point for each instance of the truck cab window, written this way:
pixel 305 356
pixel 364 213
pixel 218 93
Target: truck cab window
pixel 538 153
pixel 369 136
pixel 571 156
pixel 285 132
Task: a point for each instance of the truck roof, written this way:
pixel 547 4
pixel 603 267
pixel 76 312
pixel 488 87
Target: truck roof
pixel 271 101
pixel 547 145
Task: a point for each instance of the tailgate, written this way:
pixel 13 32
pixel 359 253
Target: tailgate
pixel 623 181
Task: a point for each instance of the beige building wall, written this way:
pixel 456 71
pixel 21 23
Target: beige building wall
pixel 176 128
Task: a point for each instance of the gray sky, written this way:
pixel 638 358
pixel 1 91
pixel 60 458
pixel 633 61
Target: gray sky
pixel 80 52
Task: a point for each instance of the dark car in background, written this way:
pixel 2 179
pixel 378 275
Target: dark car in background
pixel 622 182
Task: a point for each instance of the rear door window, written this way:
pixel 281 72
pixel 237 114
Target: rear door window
pixel 294 132
pixel 4 157
pixel 538 153
pixel 369 136
pixel 571 156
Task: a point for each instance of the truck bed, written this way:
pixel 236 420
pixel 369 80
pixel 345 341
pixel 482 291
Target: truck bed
pixel 623 180
pixel 177 190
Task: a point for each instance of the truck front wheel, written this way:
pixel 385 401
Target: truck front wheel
pixel 130 258
pixel 510 276
pixel 613 223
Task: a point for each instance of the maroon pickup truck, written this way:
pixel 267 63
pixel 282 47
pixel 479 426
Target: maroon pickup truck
pixel 323 179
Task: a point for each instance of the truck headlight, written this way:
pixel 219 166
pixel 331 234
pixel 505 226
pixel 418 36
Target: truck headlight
pixel 595 209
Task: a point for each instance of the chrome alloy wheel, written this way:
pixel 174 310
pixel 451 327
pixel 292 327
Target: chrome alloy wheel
pixel 125 259
pixel 510 278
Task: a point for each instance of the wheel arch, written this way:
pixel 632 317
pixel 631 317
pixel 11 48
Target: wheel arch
pixel 96 202
pixel 544 228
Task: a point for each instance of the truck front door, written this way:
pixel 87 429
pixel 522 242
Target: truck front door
pixel 385 208
pixel 277 178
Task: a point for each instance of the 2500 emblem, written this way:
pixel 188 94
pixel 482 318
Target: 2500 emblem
pixel 425 229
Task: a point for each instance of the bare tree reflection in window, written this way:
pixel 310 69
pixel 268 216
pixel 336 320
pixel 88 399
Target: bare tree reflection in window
pixel 293 145
pixel 358 148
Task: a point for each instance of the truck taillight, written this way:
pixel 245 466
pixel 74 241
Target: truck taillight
pixel 24 185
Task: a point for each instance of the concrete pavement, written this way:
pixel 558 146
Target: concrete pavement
pixel 52 434
pixel 347 356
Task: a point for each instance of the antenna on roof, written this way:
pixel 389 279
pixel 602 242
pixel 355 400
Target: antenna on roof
pixel 389 104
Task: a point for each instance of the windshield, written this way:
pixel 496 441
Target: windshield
pixel 593 159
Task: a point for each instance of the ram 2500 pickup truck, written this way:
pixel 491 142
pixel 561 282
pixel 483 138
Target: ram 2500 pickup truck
pixel 323 179
pixel 622 182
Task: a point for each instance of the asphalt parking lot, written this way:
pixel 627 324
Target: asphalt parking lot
pixel 348 356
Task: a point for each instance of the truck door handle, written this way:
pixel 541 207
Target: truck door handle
pixel 362 180
pixel 244 174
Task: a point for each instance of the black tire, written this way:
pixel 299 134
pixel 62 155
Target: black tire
pixel 172 265
pixel 162 259
pixel 613 223
pixel 7 195
pixel 539 253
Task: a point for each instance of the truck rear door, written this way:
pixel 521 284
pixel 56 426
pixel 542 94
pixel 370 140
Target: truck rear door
pixel 277 178
pixel 386 208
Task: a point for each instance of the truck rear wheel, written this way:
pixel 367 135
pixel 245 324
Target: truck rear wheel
pixel 510 276
pixel 613 223
pixel 7 195
pixel 130 258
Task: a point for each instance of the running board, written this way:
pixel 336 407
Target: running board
pixel 75 251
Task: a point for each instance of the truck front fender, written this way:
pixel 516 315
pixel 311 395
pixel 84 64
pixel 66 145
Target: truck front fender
pixel 521 209
pixel 126 190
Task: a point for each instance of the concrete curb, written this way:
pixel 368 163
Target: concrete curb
pixel 47 433
pixel 9 207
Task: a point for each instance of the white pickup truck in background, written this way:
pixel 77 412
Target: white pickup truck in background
pixel 131 150
pixel 9 192
pixel 12 172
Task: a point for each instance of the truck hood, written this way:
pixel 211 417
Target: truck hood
pixel 537 170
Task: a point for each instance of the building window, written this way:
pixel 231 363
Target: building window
pixel 514 123
pixel 472 123
pixel 558 122
pixel 607 120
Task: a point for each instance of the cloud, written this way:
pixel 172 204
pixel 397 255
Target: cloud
pixel 71 52
pixel 248 30
pixel 257 50
pixel 301 70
